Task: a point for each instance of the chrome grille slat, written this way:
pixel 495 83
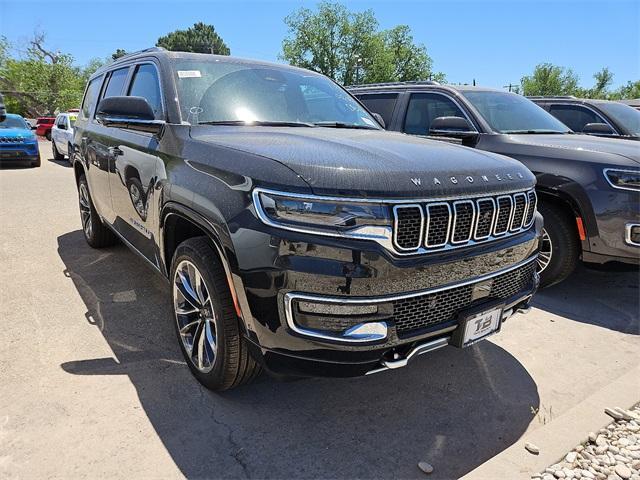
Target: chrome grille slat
pixel 408 226
pixel 519 211
pixel 464 213
pixel 438 225
pixel 444 224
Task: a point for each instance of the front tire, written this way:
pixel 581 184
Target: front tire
pixel 95 232
pixel 207 326
pixel 560 248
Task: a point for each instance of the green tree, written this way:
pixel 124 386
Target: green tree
pixel 548 79
pixel 200 38
pixel 348 46
pixel 626 92
pixel 118 53
pixel 603 78
pixel 43 81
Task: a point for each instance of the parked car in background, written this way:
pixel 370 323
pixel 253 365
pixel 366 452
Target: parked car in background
pixel 296 234
pixel 44 126
pixel 62 135
pixel 18 144
pixel 602 118
pixel 588 187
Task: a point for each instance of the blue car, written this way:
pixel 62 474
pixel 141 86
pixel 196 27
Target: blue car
pixel 17 142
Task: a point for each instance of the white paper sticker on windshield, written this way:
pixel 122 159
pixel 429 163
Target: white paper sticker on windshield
pixel 189 74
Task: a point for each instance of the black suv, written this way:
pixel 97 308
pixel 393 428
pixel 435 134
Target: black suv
pixel 602 118
pixel 589 187
pixel 296 234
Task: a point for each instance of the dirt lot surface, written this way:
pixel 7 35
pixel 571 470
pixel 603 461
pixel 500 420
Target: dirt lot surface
pixel 92 383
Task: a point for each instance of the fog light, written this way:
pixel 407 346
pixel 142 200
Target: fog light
pixel 370 331
pixel 632 234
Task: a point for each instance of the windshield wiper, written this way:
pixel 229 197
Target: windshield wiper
pixel 344 125
pixel 258 123
pixel 533 132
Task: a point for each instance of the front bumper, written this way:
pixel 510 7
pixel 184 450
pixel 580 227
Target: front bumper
pixel 21 152
pixel 277 269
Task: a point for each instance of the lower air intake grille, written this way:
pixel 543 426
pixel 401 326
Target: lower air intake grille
pixel 417 313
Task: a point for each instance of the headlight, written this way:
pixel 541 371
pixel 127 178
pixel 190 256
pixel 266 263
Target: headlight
pixel 320 214
pixel 623 179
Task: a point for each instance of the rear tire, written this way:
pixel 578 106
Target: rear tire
pixel 56 154
pixel 96 233
pixel 561 248
pixel 206 322
pixel 48 135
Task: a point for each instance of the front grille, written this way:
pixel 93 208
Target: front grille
pixel 409 222
pixel 416 313
pixel 432 226
pixel 11 139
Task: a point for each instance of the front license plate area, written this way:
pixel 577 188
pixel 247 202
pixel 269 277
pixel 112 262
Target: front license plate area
pixel 477 325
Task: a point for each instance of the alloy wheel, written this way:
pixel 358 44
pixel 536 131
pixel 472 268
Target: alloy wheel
pixel 195 316
pixel 546 252
pixel 85 210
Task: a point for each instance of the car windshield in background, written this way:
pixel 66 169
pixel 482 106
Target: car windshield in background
pixel 623 114
pixel 511 113
pixel 13 122
pixel 214 92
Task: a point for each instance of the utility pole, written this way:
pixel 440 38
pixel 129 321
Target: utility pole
pixel 511 86
pixel 358 66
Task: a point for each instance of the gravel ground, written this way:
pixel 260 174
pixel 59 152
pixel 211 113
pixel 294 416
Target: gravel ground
pixel 612 453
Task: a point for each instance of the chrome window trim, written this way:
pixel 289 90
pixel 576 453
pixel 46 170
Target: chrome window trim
pixel 395 226
pixel 291 296
pixel 382 235
pixel 627 234
pixel 513 211
pixel 426 233
pixel 455 217
pixel 617 187
pixel 506 230
pixel 494 217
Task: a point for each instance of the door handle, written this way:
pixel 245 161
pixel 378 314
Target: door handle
pixel 115 151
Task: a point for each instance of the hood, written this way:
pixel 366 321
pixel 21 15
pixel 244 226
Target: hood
pixel 16 133
pixel 374 162
pixel 585 147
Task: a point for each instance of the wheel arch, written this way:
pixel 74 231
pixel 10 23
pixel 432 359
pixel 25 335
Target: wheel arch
pixel 179 223
pixel 78 170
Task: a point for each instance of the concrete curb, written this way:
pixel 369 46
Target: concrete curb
pixel 562 434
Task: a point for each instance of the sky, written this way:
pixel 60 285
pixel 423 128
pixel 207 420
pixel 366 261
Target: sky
pixel 493 42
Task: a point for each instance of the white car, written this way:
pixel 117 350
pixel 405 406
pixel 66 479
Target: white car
pixel 62 134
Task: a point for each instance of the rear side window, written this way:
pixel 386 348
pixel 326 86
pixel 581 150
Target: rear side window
pixel 61 123
pixel 115 84
pixel 147 85
pixel 382 103
pixel 575 117
pixel 424 108
pixel 90 97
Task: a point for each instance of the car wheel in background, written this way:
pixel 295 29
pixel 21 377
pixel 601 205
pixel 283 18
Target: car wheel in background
pixel 560 249
pixel 48 135
pixel 95 232
pixel 206 322
pixel 36 163
pixel 56 154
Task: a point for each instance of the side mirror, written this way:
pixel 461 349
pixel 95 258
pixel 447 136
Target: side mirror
pixel 379 118
pixel 456 127
pixel 598 129
pixel 132 113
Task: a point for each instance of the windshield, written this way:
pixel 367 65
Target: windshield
pixel 14 122
pixel 623 114
pixel 225 92
pixel 511 113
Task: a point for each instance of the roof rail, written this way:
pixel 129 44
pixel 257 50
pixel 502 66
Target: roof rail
pixel 150 49
pixel 541 97
pixel 393 84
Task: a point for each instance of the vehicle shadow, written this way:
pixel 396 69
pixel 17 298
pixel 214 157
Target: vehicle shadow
pixel 63 163
pixel 605 297
pixel 454 408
